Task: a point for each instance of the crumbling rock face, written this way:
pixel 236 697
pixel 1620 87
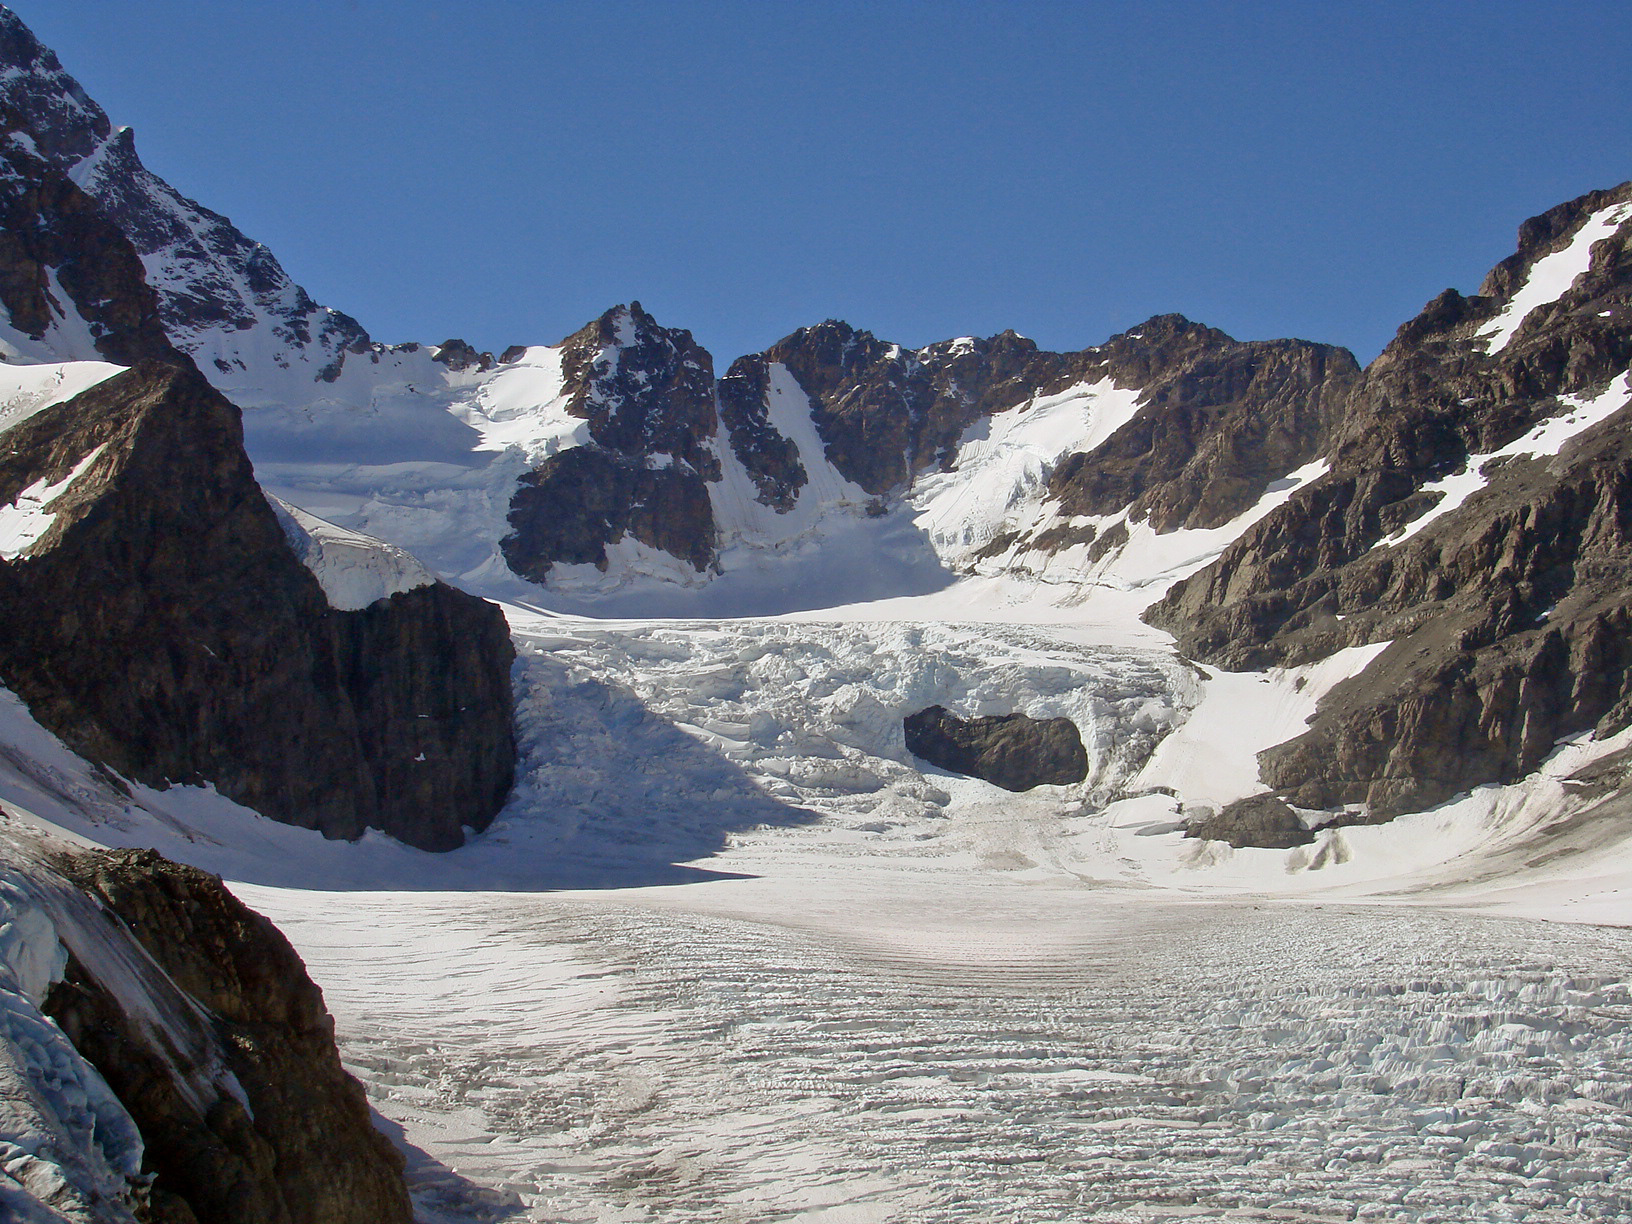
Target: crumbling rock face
pixel 1508 614
pixel 645 390
pixel 162 626
pixel 1220 421
pixel 460 355
pixel 300 1148
pixel 1260 820
pixel 1013 751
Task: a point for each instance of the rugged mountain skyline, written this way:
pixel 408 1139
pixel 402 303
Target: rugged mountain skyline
pixel 1207 614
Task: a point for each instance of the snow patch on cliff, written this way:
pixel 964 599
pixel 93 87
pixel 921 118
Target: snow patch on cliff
pixel 354 570
pixel 28 389
pixel 1552 276
pixel 29 517
pixel 1548 437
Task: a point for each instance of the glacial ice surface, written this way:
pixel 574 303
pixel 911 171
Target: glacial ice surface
pixel 858 1047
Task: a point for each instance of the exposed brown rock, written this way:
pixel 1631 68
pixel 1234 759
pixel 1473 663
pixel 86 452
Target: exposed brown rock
pixel 644 389
pixel 1260 820
pixel 1508 616
pixel 1013 751
pixel 1219 420
pixel 886 414
pixel 304 1151
pixel 233 282
pixel 458 355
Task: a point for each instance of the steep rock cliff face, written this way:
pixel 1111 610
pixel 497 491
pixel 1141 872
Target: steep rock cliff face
pixel 159 622
pixel 1476 515
pixel 277 1132
pixel 770 459
pixel 69 281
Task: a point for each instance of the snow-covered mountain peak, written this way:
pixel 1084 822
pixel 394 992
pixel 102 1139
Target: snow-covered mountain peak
pixel 224 299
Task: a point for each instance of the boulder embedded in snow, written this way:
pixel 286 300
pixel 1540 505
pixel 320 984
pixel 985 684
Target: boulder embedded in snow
pixel 1259 820
pixel 1013 751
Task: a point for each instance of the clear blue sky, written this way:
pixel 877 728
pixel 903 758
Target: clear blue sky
pixel 504 171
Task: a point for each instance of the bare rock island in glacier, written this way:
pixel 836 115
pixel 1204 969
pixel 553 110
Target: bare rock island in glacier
pixel 495 648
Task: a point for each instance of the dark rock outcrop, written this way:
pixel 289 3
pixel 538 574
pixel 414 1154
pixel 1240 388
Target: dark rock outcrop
pixel 771 460
pixel 1013 751
pixel 1260 820
pixel 645 390
pixel 648 395
pixel 300 1147
pixel 163 626
pixel 1508 615
pixel 459 355
pixel 567 510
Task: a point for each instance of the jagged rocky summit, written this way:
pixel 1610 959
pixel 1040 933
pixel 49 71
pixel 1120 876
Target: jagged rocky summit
pixel 164 617
pixel 1476 517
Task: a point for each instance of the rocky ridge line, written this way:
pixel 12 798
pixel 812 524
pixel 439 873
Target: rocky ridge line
pixel 1508 615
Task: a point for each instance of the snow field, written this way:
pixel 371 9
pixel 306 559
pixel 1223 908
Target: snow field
pixel 28 389
pixel 354 570
pixel 1004 462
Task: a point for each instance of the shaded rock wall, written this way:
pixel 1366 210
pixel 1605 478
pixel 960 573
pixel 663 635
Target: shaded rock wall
pixel 162 626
